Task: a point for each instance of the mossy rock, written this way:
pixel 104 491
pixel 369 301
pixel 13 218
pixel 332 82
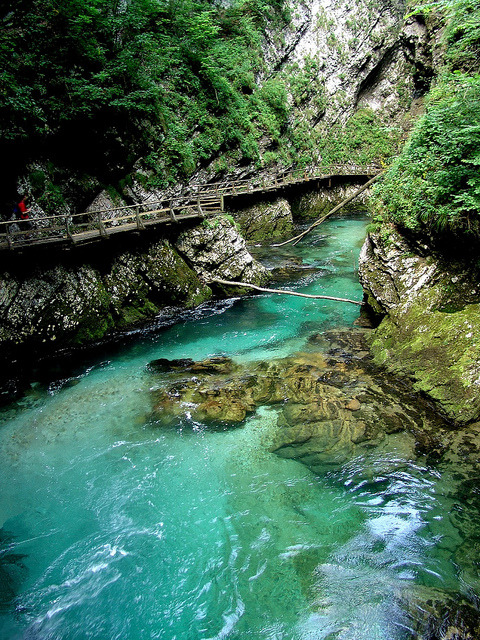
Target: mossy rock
pixel 430 332
pixel 266 221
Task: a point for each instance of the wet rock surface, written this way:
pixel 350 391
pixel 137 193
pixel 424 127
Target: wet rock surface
pixel 78 303
pixel 82 301
pixel 429 332
pixel 441 615
pixel 332 403
pixel 266 221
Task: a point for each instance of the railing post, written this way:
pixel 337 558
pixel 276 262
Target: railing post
pixel 222 202
pixel 67 229
pixel 172 213
pixel 199 208
pixel 9 237
pixel 140 224
pixel 101 226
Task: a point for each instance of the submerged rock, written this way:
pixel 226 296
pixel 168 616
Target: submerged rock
pixel 330 405
pixel 430 327
pixel 163 364
pixel 441 615
pixel 219 364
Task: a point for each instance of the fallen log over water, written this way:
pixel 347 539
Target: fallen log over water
pixel 334 210
pixel 232 283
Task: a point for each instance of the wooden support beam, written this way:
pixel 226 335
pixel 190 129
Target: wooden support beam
pixel 334 210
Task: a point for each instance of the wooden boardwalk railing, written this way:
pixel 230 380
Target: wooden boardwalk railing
pixel 195 202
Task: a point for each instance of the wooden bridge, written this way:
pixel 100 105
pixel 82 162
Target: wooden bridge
pixel 195 203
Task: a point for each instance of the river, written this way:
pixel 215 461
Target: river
pixel 114 527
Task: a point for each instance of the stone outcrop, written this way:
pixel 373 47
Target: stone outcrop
pixel 266 221
pixel 430 327
pixel 314 204
pixel 331 406
pixel 108 205
pixel 85 299
pixel 216 249
pixel 76 303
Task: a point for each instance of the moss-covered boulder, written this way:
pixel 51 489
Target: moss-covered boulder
pixel 266 221
pixel 141 284
pixel 430 331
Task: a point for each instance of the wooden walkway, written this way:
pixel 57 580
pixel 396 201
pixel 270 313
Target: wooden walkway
pixel 195 203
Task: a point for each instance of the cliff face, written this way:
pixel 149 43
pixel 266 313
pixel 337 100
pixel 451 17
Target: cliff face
pixel 335 57
pixel 367 56
pixel 430 327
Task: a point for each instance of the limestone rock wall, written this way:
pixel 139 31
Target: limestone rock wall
pixel 365 55
pixel 217 249
pixel 75 302
pixel 318 202
pixel 430 327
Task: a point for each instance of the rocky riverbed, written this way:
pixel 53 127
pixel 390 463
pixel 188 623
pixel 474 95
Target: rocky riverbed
pixel 333 402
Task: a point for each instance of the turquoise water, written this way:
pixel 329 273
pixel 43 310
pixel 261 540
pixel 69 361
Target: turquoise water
pixel 114 527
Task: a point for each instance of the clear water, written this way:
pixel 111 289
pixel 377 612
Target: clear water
pixel 116 528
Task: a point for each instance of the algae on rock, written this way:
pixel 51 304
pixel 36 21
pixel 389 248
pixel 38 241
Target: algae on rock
pixel 430 331
pixel 331 406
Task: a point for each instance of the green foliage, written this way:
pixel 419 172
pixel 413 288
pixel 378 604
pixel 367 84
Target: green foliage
pixel 462 31
pixel 434 185
pixel 365 138
pixel 97 82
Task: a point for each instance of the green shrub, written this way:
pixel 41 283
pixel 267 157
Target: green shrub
pixel 434 185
